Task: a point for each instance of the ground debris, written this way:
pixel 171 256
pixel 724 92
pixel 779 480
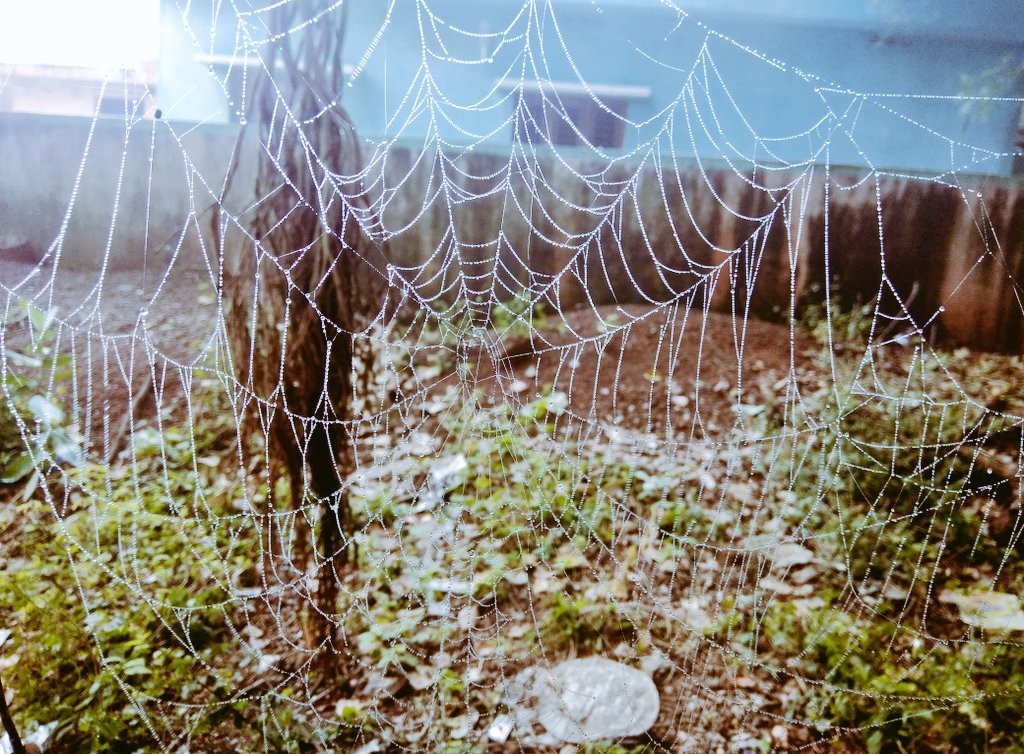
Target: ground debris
pixel 993 611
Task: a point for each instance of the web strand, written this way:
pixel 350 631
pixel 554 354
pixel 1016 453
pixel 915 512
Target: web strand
pixel 394 424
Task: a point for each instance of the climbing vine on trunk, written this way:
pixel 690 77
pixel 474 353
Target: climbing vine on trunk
pixel 298 290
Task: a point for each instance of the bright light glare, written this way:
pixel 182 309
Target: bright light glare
pixel 93 33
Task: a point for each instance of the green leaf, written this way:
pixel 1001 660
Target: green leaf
pixel 23 360
pixel 41 321
pixel 874 742
pixel 17 468
pixel 30 488
pixel 135 666
pixel 45 411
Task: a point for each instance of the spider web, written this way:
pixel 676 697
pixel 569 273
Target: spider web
pixel 675 389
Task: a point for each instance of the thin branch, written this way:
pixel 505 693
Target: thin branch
pixel 8 722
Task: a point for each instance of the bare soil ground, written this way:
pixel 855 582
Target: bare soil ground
pixel 179 306
pixel 644 368
pixel 656 369
pixel 121 327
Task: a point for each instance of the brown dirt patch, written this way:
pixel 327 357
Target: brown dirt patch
pixel 644 368
pixel 654 368
pixel 99 318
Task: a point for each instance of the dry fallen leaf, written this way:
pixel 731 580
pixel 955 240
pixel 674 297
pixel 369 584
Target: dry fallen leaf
pixel 772 584
pixel 423 677
pixel 692 614
pixel 789 554
pixel 993 611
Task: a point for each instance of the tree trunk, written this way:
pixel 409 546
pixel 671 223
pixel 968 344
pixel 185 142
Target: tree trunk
pixel 296 296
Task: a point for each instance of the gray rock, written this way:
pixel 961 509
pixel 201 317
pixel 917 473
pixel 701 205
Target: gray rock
pixel 593 699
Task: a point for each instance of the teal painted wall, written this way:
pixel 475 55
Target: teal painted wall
pixel 767 82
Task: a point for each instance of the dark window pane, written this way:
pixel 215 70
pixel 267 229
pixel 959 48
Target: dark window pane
pixel 562 120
